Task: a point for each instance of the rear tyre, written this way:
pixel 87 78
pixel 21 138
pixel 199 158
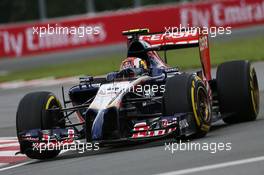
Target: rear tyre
pixel 238 91
pixel 32 114
pixel 186 93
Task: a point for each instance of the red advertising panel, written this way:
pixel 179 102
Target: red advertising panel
pixel 22 39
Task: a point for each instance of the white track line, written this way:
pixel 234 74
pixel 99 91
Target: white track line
pixel 3 164
pixel 17 165
pixel 8 138
pixel 214 166
pixel 11 153
pixel 21 164
pixel 8 141
pixel 9 144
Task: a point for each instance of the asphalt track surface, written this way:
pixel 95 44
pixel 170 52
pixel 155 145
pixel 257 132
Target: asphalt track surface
pixel 245 157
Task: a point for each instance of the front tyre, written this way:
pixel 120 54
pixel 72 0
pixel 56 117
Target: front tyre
pixel 32 114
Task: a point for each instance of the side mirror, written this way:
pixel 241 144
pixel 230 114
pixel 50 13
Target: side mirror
pixel 111 76
pixel 86 80
pixel 156 72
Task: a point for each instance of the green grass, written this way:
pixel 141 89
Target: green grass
pixel 251 49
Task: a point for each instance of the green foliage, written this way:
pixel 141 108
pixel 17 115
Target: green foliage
pixel 18 10
pixel 150 2
pixel 26 10
pixel 101 5
pixel 58 8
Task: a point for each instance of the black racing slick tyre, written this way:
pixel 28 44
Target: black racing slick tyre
pixel 186 93
pixel 238 92
pixel 32 114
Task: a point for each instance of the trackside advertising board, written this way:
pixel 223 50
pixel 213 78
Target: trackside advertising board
pixel 24 39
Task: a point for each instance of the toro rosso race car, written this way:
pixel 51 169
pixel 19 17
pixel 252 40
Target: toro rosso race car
pixel 145 100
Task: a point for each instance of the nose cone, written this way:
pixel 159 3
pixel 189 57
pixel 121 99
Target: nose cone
pixel 106 124
pixel 97 128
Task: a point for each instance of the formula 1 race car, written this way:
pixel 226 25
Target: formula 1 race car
pixel 140 103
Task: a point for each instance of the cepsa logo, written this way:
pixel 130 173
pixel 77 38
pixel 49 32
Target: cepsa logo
pixel 27 40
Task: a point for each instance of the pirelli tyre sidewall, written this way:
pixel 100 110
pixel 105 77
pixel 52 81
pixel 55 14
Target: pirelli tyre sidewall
pixel 187 93
pixel 201 106
pixel 33 113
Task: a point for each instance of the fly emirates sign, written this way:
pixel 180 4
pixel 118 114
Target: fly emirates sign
pixel 227 13
pixel 48 38
pixel 86 31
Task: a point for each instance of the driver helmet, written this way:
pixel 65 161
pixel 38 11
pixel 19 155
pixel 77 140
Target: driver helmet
pixel 133 62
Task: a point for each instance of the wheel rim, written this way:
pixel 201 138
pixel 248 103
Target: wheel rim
pixel 53 103
pixel 254 90
pixel 203 105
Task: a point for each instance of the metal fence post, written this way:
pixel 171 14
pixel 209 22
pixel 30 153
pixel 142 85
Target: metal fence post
pixel 137 3
pixel 42 9
pixel 90 7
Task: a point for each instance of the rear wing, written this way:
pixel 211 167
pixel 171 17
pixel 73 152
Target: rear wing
pixel 176 40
